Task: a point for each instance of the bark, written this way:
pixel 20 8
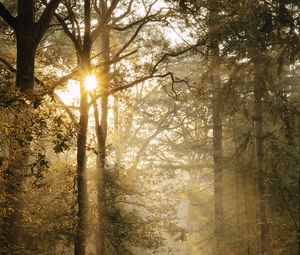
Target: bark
pixel 217 154
pixel 238 190
pixel 14 177
pixel 28 34
pixel 298 231
pixel 247 215
pixel 217 134
pixel 19 149
pixel 116 130
pixel 25 62
pixel 82 195
pixel 101 140
pixel 259 84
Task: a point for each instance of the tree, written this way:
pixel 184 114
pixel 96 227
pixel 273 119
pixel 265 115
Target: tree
pixel 28 34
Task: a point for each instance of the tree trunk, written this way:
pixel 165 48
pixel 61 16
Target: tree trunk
pixel 19 151
pixel 28 34
pixel 215 81
pixel 116 130
pixel 259 85
pixel 82 198
pixel 101 140
pixel 217 147
pixel 247 215
pixel 217 154
pixel 82 195
pixel 25 63
pixel 298 231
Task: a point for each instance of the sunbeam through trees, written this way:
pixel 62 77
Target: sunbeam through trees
pixel 135 127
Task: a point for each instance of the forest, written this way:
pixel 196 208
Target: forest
pixel 138 127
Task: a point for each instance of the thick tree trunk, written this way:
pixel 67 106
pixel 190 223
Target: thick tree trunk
pixel 101 139
pixel 259 85
pixel 28 34
pixel 82 195
pixel 25 63
pixel 19 151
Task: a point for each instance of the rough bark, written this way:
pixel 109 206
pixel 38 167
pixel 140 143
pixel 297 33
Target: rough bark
pixel 259 85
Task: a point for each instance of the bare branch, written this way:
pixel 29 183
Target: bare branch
pixel 111 8
pixel 45 19
pixel 123 15
pixel 74 21
pixel 102 52
pixel 95 33
pixel 67 31
pixel 130 85
pixel 65 107
pixel 8 65
pixel 7 17
pixel 96 8
pixel 180 52
pixel 61 80
pixel 117 28
pixel 126 45
pixel 115 60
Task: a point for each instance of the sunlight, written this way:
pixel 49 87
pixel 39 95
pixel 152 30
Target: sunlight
pixel 90 82
pixel 71 93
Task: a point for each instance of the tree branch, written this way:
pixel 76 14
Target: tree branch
pixel 67 31
pixel 123 15
pixel 7 17
pixel 111 8
pixel 130 85
pixel 45 19
pixel 126 45
pixel 8 65
pixel 65 107
pixel 180 52
pixel 52 94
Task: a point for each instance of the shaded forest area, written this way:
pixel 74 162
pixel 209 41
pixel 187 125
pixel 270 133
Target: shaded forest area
pixel 135 127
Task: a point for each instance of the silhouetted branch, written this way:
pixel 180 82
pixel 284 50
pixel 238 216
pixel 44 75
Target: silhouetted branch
pixel 52 94
pixel 7 17
pixel 71 35
pixel 45 19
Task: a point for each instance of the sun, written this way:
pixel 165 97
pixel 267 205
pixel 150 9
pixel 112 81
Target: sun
pixel 70 95
pixel 90 82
